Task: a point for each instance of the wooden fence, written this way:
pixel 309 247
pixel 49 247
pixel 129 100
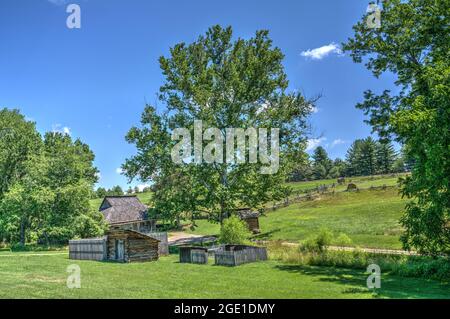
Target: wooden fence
pixel 186 253
pixel 238 257
pixel 311 194
pixel 88 249
pixel 199 256
pixel 163 247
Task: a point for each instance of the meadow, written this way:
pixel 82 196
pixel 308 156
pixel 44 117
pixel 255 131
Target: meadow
pixel 27 275
pixel 361 181
pixel 369 217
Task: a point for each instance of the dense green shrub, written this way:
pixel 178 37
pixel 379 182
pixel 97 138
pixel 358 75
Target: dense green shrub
pixel 319 242
pixel 234 231
pixel 343 240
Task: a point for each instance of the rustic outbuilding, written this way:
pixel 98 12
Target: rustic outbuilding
pixel 193 254
pixel 235 255
pixel 251 218
pixel 129 245
pixel 127 212
pixel 121 245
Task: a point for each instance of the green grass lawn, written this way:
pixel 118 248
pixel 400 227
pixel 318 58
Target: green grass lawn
pixel 28 276
pixel 369 218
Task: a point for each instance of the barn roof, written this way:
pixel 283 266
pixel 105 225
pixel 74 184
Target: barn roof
pixel 122 209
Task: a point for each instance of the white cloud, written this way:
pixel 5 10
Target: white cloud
pixel 314 142
pixel 58 128
pixel 98 175
pixel 322 52
pixel 119 170
pixel 338 141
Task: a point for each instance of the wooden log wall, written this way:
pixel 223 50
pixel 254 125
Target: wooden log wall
pixel 137 247
pixel 140 249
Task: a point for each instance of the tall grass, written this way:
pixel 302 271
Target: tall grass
pixel 402 265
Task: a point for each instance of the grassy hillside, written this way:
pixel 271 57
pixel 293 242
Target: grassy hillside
pixel 28 276
pixel 360 181
pixel 369 218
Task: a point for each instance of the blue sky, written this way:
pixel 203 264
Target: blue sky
pixel 93 82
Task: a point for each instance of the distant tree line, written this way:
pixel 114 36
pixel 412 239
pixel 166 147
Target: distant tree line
pixel 45 186
pixel 364 157
pixel 101 192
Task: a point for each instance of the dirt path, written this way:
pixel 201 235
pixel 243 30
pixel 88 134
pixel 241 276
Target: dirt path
pixel 182 238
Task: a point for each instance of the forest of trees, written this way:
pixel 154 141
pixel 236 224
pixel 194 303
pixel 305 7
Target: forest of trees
pixel 45 186
pixel 364 157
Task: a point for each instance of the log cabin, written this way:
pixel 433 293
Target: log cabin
pixel 127 212
pixel 124 245
pixel 121 245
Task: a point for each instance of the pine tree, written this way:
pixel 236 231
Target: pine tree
pixel 353 158
pixel 386 157
pixel 322 163
pixel 368 159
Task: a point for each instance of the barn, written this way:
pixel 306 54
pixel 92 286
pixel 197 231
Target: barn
pixel 250 217
pixel 121 245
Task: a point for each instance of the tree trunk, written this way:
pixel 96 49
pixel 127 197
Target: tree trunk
pixel 22 232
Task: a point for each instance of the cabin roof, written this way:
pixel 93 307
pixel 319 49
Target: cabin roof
pixel 131 233
pixel 245 213
pixel 122 209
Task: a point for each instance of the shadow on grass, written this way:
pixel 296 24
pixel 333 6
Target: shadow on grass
pixel 391 286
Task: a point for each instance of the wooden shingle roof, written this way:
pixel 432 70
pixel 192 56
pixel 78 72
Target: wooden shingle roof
pixel 123 209
pixel 245 213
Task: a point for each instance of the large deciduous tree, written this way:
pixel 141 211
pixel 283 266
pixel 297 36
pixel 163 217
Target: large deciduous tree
pixel 46 184
pixel 413 42
pixel 19 140
pixel 225 83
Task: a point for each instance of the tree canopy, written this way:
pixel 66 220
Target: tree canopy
pixel 225 83
pixel 46 186
pixel 413 42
